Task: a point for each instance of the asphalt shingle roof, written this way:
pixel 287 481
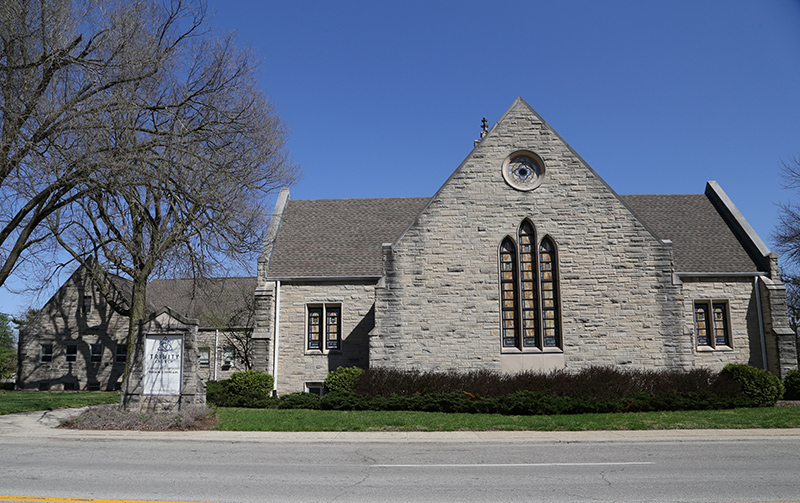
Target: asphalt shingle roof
pixel 343 237
pixel 701 240
pixel 210 300
pixel 339 237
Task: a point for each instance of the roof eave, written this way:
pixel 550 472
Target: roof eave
pixel 741 228
pixel 338 279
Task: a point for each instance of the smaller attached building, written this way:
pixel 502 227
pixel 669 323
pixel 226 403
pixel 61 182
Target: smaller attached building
pixel 77 342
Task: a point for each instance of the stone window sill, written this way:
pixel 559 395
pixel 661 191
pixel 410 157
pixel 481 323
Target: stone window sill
pixel 531 351
pixel 711 349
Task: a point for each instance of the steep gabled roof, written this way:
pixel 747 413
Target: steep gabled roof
pixel 343 237
pixel 339 237
pixel 701 239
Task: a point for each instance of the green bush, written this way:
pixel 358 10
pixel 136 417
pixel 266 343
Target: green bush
pixel 344 400
pixel 343 379
pixel 759 386
pixel 251 389
pixel 217 393
pixel 299 400
pixel 252 382
pixel 7 386
pixel 591 383
pixel 792 385
pixel 594 390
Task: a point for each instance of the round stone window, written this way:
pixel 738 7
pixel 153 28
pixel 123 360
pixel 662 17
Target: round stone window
pixel 523 170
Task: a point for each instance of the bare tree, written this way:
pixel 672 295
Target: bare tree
pixel 193 156
pixel 787 234
pixel 236 326
pixel 787 239
pixel 62 65
pixel 792 299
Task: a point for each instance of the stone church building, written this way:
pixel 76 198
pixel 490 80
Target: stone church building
pixel 524 259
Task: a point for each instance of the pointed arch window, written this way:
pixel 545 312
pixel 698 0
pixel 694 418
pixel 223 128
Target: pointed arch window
pixel 529 297
pixel 508 293
pixel 529 305
pixel 550 311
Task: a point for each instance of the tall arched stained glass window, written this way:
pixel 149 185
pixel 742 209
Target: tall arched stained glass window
pixel 549 284
pixel 314 328
pixel 528 303
pixel 508 293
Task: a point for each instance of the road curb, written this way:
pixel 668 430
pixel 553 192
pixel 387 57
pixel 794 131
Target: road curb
pixel 44 424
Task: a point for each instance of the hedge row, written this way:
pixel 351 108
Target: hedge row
pixel 517 403
pixel 596 389
pixel 595 383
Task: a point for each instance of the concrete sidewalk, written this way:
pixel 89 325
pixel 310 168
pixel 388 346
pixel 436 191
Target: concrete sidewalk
pixel 43 424
pixel 38 423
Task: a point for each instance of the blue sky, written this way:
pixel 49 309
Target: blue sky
pixel 384 99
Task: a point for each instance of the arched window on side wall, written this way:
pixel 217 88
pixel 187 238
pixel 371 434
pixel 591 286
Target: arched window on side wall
pixel 529 305
pixel 508 293
pixel 549 284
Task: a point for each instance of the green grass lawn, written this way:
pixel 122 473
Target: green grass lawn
pixel 25 401
pixel 236 419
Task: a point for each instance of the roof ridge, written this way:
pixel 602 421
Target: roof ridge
pixel 661 195
pixel 204 278
pixel 359 199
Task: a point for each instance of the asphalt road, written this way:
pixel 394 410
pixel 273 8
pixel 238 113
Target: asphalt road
pixel 690 466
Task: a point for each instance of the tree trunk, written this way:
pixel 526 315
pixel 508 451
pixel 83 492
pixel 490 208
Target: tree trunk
pixel 131 378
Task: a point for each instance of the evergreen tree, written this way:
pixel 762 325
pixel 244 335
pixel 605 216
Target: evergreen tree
pixel 8 350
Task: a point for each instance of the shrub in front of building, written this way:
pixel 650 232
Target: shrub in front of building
pixel 343 379
pixel 759 386
pixel 251 388
pixel 594 383
pixel 593 390
pixel 792 385
pixel 299 400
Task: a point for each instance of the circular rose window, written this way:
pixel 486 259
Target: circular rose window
pixel 523 170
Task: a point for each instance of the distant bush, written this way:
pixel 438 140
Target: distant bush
pixel 251 388
pixel 792 385
pixel 758 385
pixel 7 386
pixel 343 379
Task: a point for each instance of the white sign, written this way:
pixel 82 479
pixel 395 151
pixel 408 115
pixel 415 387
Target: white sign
pixel 163 364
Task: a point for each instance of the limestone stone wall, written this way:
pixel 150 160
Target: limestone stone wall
pixel 264 323
pixel 297 365
pixel 77 314
pixel 438 305
pixel 216 368
pixel 781 339
pixel 739 294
